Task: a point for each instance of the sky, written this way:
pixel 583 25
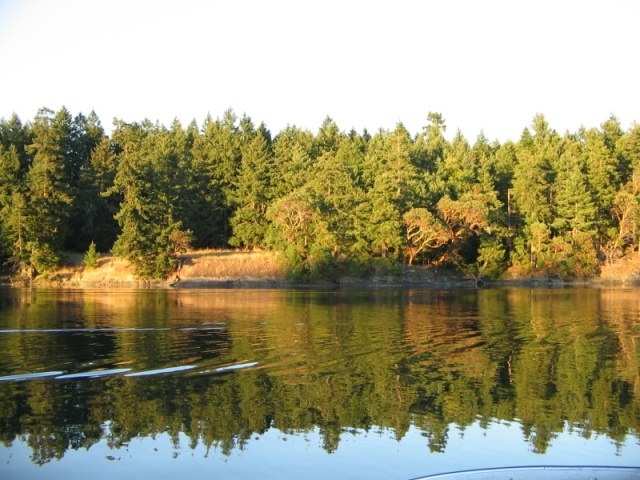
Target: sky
pixel 485 65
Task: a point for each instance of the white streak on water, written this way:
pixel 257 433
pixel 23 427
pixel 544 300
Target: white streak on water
pixel 29 376
pixel 94 373
pixel 238 366
pixel 161 371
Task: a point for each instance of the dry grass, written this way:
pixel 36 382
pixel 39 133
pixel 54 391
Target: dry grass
pixel 198 265
pixel 205 266
pixel 217 264
pixel 626 268
pixel 109 269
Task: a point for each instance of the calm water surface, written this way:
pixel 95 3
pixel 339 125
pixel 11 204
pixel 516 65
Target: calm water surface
pixel 391 384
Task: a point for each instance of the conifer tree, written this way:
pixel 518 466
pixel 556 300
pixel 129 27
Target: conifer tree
pixel 253 191
pixel 396 190
pixel 89 211
pixel 573 207
pixel 292 152
pixel 458 170
pixel 92 256
pixel 14 132
pixel 216 162
pixel 532 193
pixel 602 178
pixel 430 145
pixel 334 187
pixel 148 180
pixel 48 187
pixel 10 188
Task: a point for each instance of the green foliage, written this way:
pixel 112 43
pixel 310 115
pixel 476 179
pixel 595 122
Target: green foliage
pixel 322 264
pixel 45 211
pixel 91 256
pixel 43 258
pixel 357 266
pixel 296 268
pixel 387 267
pixel 150 181
pixel 335 201
pixel 253 191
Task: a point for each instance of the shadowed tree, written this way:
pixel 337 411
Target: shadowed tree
pixel 48 186
pixel 149 180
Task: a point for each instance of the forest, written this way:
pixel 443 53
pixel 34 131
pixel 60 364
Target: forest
pixel 332 203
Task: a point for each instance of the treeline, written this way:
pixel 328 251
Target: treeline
pixel 334 202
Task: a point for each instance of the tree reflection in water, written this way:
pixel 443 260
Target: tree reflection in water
pixel 327 362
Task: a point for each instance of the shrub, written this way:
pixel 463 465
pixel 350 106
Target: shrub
pixel 92 256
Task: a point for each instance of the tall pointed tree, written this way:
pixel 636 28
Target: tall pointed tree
pixel 10 187
pixel 216 162
pixel 14 132
pixel 148 179
pixel 87 207
pixel 574 209
pixel 253 190
pixel 532 193
pixel 49 195
pixel 602 177
pixel 293 156
pixel 396 190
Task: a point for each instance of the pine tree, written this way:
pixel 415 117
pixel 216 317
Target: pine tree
pixel 458 170
pixel 531 196
pixel 10 185
pixel 148 179
pixel 396 190
pixel 574 210
pixel 292 152
pixel 602 177
pixel 216 161
pixel 92 256
pixel 336 192
pixel 430 145
pixel 13 132
pixel 101 207
pixel 89 211
pixel 253 191
pixel 48 188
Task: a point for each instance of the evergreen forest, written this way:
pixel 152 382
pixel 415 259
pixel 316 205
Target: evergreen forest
pixel 332 203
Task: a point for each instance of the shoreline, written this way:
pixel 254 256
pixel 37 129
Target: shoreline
pixel 230 269
pixel 345 283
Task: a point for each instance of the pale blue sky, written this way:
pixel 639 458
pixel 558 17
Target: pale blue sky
pixel 487 64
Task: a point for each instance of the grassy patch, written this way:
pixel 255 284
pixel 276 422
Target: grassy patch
pixel 230 264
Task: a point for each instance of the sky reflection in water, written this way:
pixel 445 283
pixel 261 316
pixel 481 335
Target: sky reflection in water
pixel 277 455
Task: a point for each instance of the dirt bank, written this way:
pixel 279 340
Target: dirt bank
pixel 238 269
pixel 197 269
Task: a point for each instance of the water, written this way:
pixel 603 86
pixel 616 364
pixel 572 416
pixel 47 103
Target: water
pixel 342 384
